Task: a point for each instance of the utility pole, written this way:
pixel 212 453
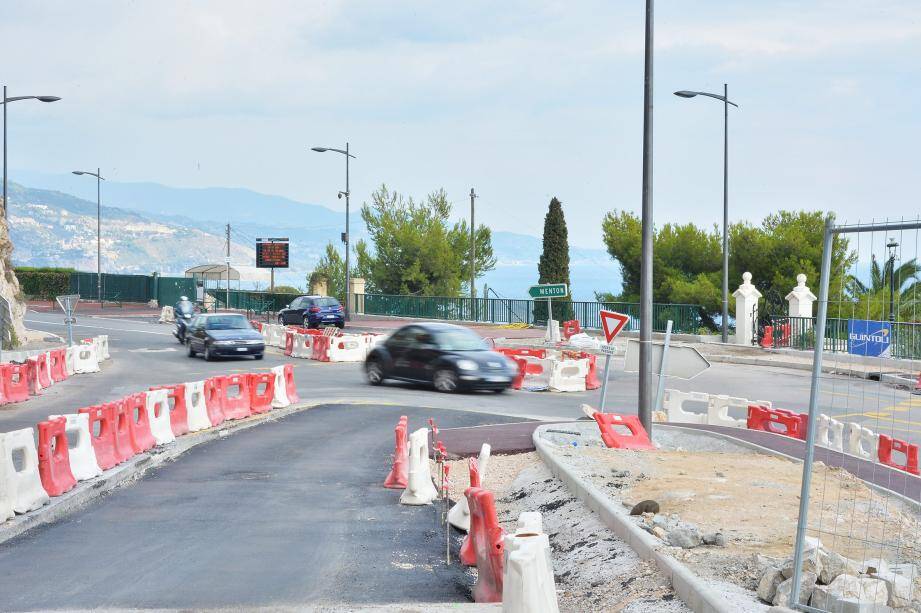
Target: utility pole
pixel 99 235
pixel 472 254
pixel 645 378
pixel 227 303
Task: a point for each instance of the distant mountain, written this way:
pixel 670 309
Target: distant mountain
pixel 148 227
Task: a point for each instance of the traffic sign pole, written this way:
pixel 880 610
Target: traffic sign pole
pixel 604 383
pixel 612 323
pixel 664 368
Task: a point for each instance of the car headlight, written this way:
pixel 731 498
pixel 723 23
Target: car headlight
pixel 511 364
pixel 467 365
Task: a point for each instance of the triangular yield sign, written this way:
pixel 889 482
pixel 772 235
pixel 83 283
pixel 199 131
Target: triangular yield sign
pixel 612 323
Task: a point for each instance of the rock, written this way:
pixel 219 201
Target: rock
pixel 661 521
pixel 848 591
pixel 780 610
pixel 686 536
pixel 899 587
pixel 659 532
pixel 873 566
pixel 714 538
pixel 785 588
pixel 832 564
pixel 646 506
pixel 620 474
pixel 811 563
pixel 767 586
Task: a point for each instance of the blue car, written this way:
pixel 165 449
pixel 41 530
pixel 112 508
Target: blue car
pixel 313 312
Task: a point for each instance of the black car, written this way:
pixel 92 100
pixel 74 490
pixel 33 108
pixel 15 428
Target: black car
pixel 313 312
pixel 223 334
pixel 449 356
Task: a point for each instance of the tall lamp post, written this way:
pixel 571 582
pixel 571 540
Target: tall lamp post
pixel 892 246
pixel 726 102
pixel 4 102
pixel 345 237
pixel 99 179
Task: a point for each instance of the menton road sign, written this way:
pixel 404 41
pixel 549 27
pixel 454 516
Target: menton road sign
pixel 548 290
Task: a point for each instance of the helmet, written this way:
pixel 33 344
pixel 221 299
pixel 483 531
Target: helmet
pixel 183 298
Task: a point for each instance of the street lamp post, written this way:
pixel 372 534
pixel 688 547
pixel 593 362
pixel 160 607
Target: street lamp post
pixel 99 179
pixel 4 102
pixel 345 237
pixel 726 102
pixel 892 246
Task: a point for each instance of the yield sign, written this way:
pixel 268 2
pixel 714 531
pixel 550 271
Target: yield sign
pixel 612 323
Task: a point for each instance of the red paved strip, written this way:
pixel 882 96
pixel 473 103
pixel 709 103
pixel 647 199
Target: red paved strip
pixel 503 438
pixel 896 481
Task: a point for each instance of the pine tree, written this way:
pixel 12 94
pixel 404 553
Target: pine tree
pixel 554 262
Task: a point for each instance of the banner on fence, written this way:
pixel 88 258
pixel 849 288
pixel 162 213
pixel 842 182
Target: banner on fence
pixel 869 338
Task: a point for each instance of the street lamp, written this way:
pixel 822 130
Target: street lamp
pixel 892 245
pixel 4 103
pixel 99 179
pixel 345 237
pixel 726 102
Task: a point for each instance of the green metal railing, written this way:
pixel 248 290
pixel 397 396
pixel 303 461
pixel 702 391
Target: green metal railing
pixel 799 333
pixel 131 288
pixel 686 317
pixel 257 302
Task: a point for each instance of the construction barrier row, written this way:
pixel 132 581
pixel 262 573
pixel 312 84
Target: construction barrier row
pixel 326 345
pixel 514 569
pixel 557 371
pixel 713 409
pixel 109 434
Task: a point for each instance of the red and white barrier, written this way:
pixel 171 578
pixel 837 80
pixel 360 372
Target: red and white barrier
pixel 280 400
pixel 83 463
pixel 398 477
pixel 459 514
pixel 829 433
pixel 348 348
pixel 84 359
pixel 301 345
pixel 568 375
pixel 158 416
pixel 419 489
pixel 196 410
pixel 486 536
pixel 528 584
pixel 54 457
pixel 25 485
pixel 622 431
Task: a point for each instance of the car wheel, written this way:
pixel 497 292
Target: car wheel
pixel 208 356
pixel 500 390
pixel 340 325
pixel 307 322
pixel 375 372
pixel 191 351
pixel 258 356
pixel 445 381
pixel 281 320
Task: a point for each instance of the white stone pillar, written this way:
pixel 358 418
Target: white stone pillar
pixel 357 295
pixel 800 299
pixel 746 309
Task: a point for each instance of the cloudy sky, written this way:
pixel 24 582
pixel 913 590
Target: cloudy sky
pixel 521 100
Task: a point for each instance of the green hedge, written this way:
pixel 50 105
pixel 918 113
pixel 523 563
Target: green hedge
pixel 43 283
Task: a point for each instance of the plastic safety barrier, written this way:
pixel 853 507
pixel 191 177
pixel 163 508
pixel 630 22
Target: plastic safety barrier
pixel 214 400
pixel 613 427
pixel 777 421
pixel 15 382
pixel 7 469
pixel 33 375
pixel 139 431
pixel 195 406
pixel 467 554
pixel 102 435
pixel 347 348
pixel 44 370
pixel 290 385
pixel 178 412
pixel 487 538
pixel 83 463
pixel 103 346
pixel 887 445
pixel 158 416
pixel 861 442
pixel 289 341
pixel 167 315
pixel 69 353
pixel 320 351
pixel 301 346
pixel 569 328
pixel 280 399
pixel 398 477
pixel 419 487
pixel 85 358
pixel 261 401
pixel 568 375
pixel 256 324
pixel 236 403
pixel 537 373
pixel 592 382
pixel 718 410
pixel 57 364
pixel 459 514
pixel 521 353
pixel 54 457
pixel 25 483
pixel 673 405
pixel 829 433
pixel 552 335
pixel 528 585
pixel 121 426
pixel 518 380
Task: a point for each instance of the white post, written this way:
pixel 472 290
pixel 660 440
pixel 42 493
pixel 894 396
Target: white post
pixel 800 299
pixel 746 309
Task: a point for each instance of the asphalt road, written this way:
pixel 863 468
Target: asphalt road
pixel 290 512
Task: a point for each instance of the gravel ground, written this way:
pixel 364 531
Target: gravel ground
pixel 595 571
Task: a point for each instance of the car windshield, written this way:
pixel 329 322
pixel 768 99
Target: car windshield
pixel 460 340
pixel 226 322
pixel 326 302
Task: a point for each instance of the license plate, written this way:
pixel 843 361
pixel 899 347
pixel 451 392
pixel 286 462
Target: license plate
pixel 330 317
pixel 497 379
pixel 241 348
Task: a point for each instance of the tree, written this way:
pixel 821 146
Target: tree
pixel 331 268
pixel 553 266
pixel 415 249
pixel 687 260
pixel 286 289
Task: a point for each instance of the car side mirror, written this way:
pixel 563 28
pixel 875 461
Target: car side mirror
pixel 287 306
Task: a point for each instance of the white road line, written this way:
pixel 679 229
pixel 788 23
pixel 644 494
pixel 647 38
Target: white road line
pixel 52 323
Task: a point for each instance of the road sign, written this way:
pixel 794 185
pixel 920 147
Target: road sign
pixel 608 349
pixel 612 323
pixel 549 290
pixel 69 305
pixel 683 362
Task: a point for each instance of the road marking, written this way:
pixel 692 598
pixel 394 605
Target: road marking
pixel 53 323
pixel 147 350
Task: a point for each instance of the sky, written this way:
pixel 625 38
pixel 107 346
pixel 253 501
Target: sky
pixel 521 100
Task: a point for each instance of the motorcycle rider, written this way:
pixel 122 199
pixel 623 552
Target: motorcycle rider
pixel 184 310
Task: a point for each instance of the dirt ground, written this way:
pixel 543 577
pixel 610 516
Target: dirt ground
pixel 753 499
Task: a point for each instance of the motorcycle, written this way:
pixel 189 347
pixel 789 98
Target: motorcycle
pixel 183 319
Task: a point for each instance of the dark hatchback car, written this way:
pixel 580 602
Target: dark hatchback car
pixel 448 356
pixel 223 335
pixel 313 312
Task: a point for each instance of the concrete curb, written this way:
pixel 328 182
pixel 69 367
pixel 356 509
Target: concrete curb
pixel 690 588
pixel 132 470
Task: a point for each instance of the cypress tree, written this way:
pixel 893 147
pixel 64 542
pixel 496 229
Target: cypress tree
pixel 554 262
